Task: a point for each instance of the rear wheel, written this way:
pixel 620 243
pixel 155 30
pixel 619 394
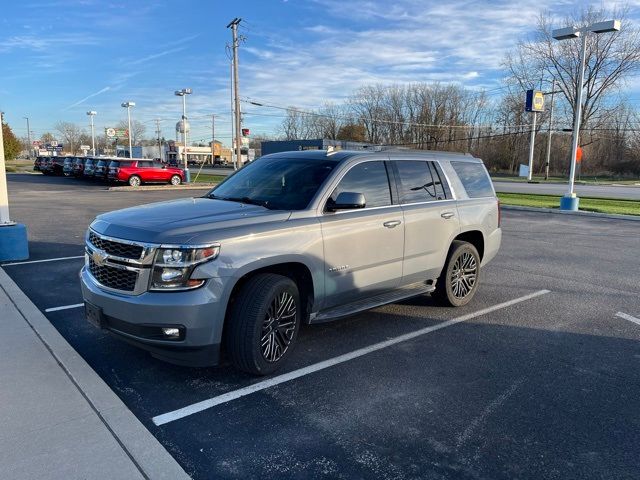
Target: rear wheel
pixel 134 181
pixel 175 180
pixel 263 324
pixel 458 281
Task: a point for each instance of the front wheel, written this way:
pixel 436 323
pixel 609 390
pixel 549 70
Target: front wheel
pixel 134 181
pixel 175 180
pixel 263 324
pixel 458 281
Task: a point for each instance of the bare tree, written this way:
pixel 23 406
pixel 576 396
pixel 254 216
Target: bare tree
pixel 71 135
pixel 610 58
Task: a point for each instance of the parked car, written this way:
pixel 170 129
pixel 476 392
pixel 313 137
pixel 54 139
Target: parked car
pixel 67 166
pixel 292 237
pixel 89 166
pixel 53 166
pixel 78 166
pixel 138 171
pixel 46 165
pixel 38 164
pixel 101 169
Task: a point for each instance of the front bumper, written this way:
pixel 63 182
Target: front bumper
pixel 137 319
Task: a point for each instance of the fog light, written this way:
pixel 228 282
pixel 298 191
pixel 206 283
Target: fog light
pixel 169 274
pixel 171 332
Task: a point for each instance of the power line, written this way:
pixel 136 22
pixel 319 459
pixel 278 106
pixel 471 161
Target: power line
pixel 374 120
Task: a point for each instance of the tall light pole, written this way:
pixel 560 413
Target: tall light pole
pixel 128 106
pixel 234 31
pixel 571 201
pixel 30 148
pixel 93 133
pixel 546 166
pixel 183 93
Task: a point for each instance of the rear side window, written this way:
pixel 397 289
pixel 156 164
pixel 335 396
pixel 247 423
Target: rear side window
pixel 370 179
pixel 475 179
pixel 419 182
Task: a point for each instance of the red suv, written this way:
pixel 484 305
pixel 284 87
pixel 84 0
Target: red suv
pixel 135 172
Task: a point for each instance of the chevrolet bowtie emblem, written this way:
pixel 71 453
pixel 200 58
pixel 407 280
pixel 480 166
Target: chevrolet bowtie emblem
pixel 98 258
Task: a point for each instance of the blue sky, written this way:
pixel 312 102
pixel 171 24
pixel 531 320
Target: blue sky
pixel 60 58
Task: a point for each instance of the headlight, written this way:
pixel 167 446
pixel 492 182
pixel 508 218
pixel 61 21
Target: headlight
pixel 173 266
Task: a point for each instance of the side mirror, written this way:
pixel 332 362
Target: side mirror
pixel 347 201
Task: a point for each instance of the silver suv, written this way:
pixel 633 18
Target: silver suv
pixel 293 237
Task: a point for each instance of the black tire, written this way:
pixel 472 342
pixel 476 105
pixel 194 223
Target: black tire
pixel 175 180
pixel 134 181
pixel 250 322
pixel 459 279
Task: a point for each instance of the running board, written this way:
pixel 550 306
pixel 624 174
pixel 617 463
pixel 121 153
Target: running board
pixel 371 302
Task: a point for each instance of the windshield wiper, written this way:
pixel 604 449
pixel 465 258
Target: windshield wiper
pixel 247 200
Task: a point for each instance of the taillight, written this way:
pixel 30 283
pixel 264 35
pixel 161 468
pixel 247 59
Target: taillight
pixel 499 214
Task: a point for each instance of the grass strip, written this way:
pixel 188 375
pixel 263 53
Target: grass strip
pixel 206 178
pixel 587 204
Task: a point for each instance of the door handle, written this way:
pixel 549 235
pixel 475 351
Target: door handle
pixel 447 215
pixel 392 223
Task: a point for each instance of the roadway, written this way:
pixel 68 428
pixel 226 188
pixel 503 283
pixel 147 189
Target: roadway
pixel 629 192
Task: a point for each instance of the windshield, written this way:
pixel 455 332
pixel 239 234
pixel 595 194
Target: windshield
pixel 276 183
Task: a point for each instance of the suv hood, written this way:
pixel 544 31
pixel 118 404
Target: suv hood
pixel 197 220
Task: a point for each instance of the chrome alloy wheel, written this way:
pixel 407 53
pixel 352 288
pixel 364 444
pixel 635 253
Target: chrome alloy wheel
pixel 463 275
pixel 279 327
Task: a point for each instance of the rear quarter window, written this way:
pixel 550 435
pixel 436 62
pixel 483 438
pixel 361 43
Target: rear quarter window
pixel 474 178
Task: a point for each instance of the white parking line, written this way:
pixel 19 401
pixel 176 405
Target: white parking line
pixel 64 307
pixel 256 387
pixel 628 317
pixel 42 261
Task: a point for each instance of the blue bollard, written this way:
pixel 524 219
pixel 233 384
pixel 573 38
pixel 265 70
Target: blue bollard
pixel 14 244
pixel 187 176
pixel 569 203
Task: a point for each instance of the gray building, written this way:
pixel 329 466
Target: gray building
pixel 316 144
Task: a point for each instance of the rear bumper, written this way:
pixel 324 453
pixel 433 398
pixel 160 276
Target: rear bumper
pixel 139 319
pixel 492 245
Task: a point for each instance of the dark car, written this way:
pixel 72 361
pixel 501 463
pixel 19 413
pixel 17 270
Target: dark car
pixel 53 166
pixel 67 166
pixel 46 165
pixel 115 166
pixel 38 164
pixel 78 166
pixel 101 169
pixel 89 167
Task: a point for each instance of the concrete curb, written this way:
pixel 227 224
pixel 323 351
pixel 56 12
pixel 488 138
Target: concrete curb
pixel 633 218
pixel 151 457
pixel 199 186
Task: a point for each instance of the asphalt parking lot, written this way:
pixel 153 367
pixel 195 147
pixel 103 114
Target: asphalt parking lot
pixel 537 378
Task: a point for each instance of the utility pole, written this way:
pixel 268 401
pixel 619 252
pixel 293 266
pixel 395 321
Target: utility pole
pixel 30 148
pixel 213 139
pixel 532 146
pixel 234 31
pixel 159 143
pixel 546 167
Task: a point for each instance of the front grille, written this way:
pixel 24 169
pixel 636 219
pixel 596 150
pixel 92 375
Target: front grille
pixel 111 277
pixel 118 249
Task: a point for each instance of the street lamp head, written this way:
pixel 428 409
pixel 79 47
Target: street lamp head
pixel 604 27
pixel 183 92
pixel 128 104
pixel 565 33
pixel 178 93
pixel 91 112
